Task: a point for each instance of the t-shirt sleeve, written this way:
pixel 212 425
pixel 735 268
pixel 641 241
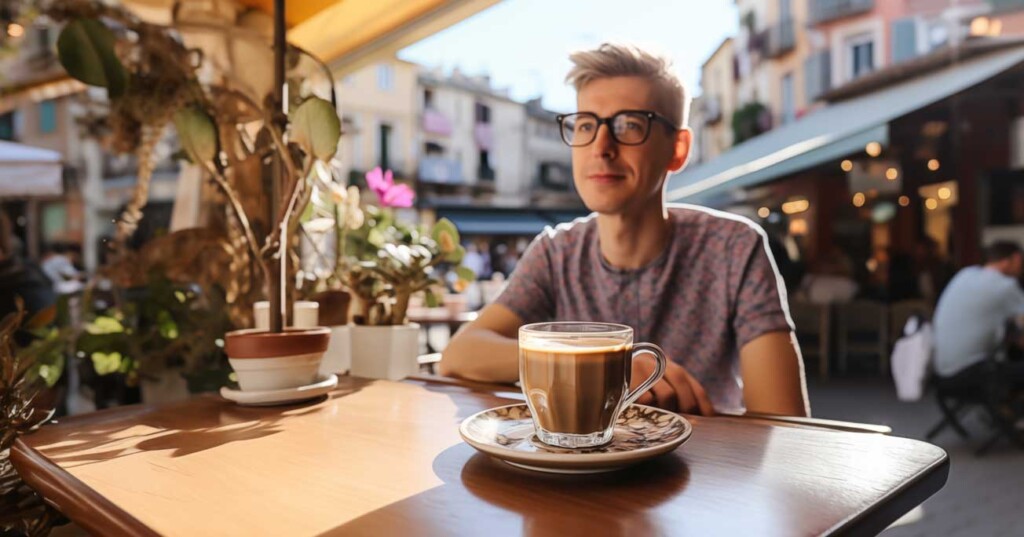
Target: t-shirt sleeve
pixel 758 289
pixel 529 293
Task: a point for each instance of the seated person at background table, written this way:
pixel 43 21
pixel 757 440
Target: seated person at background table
pixel 698 283
pixel 972 314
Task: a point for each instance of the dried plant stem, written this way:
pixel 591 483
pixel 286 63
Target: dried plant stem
pixel 132 213
pixel 243 221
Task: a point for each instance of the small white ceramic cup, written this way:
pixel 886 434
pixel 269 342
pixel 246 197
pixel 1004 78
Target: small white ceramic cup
pixel 306 314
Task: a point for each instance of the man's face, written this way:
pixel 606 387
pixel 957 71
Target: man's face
pixel 621 179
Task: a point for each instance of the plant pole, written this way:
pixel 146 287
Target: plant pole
pixel 278 272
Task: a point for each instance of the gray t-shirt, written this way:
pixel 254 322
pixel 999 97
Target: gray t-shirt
pixel 713 289
pixel 970 319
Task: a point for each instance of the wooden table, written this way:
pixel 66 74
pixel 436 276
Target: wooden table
pixel 385 458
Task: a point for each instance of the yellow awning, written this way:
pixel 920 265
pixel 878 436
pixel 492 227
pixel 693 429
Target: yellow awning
pixel 349 33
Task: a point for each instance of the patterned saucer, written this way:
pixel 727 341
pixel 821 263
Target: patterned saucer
pixel 287 396
pixel 641 432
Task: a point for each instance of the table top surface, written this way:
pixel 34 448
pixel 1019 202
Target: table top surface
pixel 385 458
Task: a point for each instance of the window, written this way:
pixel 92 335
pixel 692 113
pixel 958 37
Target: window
pixel 428 98
pixel 385 77
pixel 7 126
pixel 485 172
pixel 385 145
pixel 861 56
pixel 483 113
pixel 47 117
pixel 788 98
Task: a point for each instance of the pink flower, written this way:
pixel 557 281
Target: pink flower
pixel 388 193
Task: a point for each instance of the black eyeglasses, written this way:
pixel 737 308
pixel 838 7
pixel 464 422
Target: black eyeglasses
pixel 628 127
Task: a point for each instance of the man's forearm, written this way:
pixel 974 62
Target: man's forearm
pixel 482 355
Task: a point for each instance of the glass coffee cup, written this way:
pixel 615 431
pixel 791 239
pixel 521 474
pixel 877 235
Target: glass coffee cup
pixel 576 376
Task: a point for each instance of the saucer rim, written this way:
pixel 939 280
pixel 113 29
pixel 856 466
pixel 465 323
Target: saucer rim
pixel 284 395
pixel 571 460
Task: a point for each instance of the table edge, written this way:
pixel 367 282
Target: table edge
pixel 862 522
pixel 75 500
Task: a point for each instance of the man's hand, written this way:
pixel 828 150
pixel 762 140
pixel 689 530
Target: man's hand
pixel 677 391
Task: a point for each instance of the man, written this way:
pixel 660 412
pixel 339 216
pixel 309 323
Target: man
pixel 698 283
pixel 973 311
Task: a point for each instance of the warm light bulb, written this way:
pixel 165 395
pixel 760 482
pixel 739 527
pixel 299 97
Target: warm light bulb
pixel 945 193
pixel 873 149
pixel 858 199
pixel 904 201
pixel 931 204
pixel 15 30
pixel 892 174
pixel 933 164
pixel 846 165
pixel 764 212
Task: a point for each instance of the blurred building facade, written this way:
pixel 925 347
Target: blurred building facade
pixel 883 129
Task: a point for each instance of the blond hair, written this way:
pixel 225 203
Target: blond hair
pixel 613 59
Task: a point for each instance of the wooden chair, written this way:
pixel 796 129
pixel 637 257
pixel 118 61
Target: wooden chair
pixel 813 331
pixel 863 328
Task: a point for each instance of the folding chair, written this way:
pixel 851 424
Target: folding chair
pixel 982 386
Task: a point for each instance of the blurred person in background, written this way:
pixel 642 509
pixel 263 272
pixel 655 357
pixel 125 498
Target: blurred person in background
pixel 973 312
pixel 20 278
pixel 61 270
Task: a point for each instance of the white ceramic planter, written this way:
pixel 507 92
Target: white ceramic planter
pixel 385 352
pixel 338 358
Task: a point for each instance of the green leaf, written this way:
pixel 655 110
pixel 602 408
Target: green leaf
pixel 106 363
pixel 457 256
pixel 86 50
pixel 446 235
pixel 465 274
pixel 430 298
pixel 168 328
pixel 104 325
pixel 316 127
pixel 197 133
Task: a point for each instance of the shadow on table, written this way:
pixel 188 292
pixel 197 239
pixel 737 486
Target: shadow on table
pixel 482 496
pixel 189 427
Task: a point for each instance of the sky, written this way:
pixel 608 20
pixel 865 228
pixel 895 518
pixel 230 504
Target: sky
pixel 524 44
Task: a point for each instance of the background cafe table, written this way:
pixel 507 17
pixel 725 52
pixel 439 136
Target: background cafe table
pixel 385 458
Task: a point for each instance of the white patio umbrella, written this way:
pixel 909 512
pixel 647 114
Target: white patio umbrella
pixel 29 171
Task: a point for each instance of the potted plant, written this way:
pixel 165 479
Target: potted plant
pixel 392 261
pixel 152 79
pixel 333 212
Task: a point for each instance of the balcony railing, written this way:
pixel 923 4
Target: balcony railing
pixel 827 10
pixel 780 38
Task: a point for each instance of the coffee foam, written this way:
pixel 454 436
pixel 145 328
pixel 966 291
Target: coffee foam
pixel 573 346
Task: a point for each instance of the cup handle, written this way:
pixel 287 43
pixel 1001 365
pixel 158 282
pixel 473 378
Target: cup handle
pixel 661 362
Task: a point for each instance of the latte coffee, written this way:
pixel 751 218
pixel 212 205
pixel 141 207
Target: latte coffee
pixel 575 386
pixel 576 375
